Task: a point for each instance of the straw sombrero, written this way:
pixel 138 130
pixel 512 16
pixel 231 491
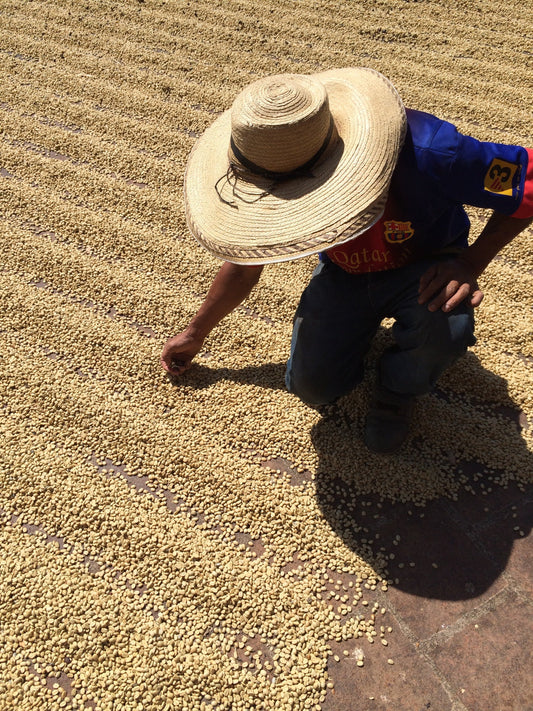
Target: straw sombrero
pixel 300 163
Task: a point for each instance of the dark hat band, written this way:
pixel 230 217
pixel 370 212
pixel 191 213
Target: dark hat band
pixel 301 170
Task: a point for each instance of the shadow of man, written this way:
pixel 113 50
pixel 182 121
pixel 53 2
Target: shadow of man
pixel 439 519
pixel 441 516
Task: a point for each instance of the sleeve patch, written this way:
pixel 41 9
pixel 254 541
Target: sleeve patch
pixel 500 176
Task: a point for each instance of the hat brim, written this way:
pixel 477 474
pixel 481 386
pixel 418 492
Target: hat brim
pixel 266 221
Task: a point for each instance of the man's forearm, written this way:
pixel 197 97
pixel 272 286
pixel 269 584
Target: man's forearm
pixel 497 233
pixel 231 286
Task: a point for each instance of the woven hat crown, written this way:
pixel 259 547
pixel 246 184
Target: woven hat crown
pixel 280 122
pixel 299 164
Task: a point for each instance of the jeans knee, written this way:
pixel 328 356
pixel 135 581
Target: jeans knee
pixel 437 334
pixel 459 334
pixel 422 353
pixel 311 391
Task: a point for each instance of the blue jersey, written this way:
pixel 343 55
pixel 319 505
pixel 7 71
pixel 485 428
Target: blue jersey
pixel 439 171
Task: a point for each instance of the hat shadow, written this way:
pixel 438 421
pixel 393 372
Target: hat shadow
pixel 454 547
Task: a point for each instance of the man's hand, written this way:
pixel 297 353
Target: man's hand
pixel 179 351
pixel 445 284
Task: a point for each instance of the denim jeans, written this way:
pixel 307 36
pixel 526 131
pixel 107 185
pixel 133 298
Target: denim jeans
pixel 339 314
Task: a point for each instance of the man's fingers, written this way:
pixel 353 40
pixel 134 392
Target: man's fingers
pixel 433 287
pixel 444 296
pixel 427 276
pixel 424 289
pixel 174 366
pixel 438 301
pixel 166 367
pixel 444 286
pixel 178 367
pixel 461 293
pixel 437 285
pixel 476 299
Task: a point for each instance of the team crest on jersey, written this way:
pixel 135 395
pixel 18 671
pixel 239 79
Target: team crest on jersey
pixel 499 177
pixel 397 231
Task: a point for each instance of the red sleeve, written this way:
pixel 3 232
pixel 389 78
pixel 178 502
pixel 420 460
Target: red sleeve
pixel 526 205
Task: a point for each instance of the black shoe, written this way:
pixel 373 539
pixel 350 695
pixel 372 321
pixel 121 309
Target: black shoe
pixel 388 420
